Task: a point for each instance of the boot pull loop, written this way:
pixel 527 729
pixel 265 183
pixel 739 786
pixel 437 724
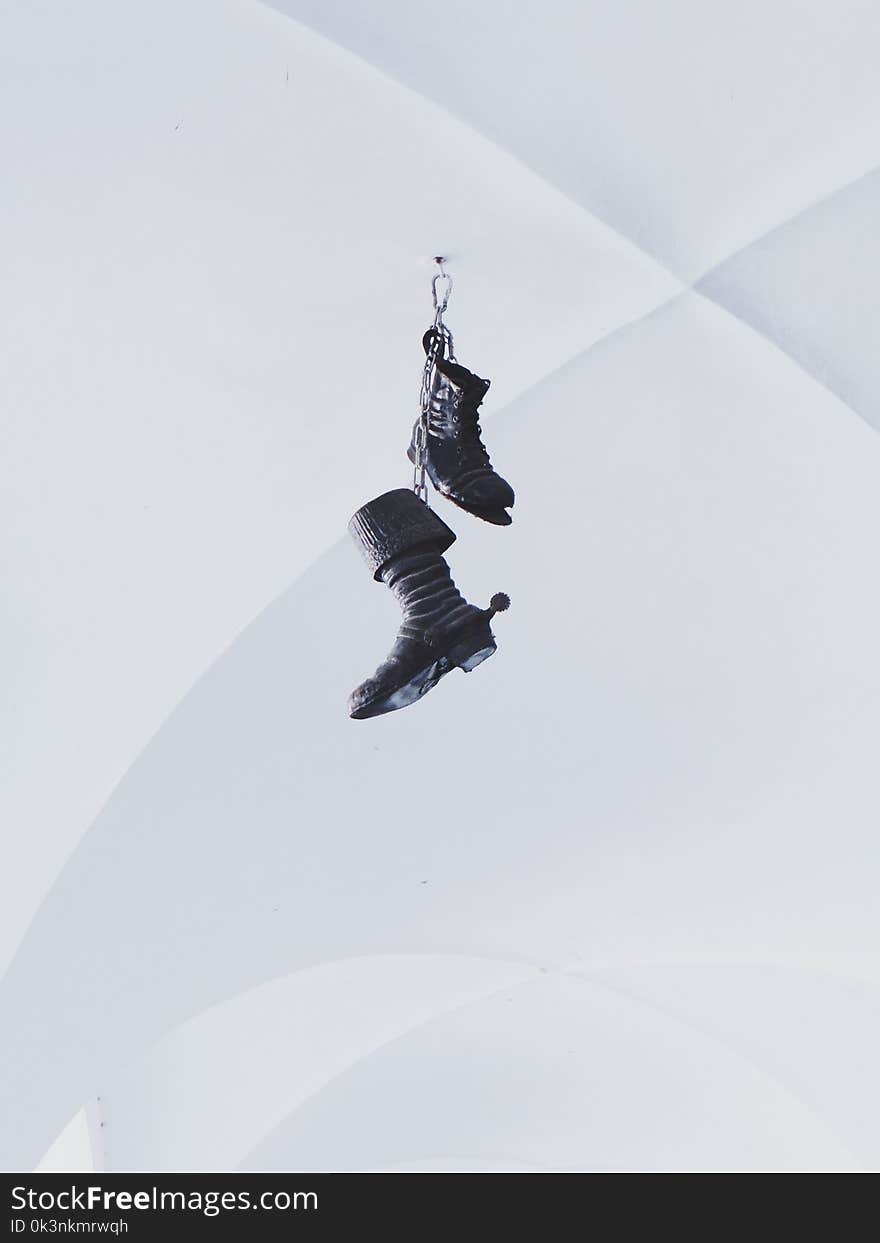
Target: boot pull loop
pixel 434 341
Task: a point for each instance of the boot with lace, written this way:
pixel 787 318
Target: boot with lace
pixel 458 463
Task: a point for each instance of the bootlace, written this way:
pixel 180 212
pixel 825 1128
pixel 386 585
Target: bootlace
pixel 470 430
pixel 465 420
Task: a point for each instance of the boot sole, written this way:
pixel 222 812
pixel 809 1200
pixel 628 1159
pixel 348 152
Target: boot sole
pixel 498 517
pixel 466 654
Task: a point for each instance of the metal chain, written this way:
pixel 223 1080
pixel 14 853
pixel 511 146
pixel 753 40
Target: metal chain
pixel 441 343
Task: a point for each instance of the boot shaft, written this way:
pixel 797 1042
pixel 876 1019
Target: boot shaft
pixel 455 397
pixel 395 523
pixel 430 602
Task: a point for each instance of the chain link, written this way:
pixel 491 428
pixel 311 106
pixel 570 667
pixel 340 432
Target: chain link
pixel 441 343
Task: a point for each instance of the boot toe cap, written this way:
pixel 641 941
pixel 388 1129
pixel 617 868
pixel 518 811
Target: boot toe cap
pixel 395 684
pixel 490 492
pixel 366 699
pixel 488 498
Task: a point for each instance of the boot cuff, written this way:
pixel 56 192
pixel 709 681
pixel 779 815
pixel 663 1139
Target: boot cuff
pixel 395 523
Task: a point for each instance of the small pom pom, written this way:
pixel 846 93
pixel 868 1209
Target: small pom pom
pixel 500 602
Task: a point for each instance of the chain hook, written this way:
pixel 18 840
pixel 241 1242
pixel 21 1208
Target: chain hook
pixel 441 297
pixel 441 343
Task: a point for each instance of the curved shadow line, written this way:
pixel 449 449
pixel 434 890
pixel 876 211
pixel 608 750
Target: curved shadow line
pixel 208 669
pixel 310 32
pixel 636 1002
pixel 820 381
pixel 821 199
pixel 725 1042
pixel 384 1044
pixel 531 970
pixel 603 340
pixel 348 50
pixel 531 973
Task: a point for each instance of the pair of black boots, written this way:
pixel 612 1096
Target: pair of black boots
pixel 403 541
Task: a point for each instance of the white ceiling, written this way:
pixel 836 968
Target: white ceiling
pixel 499 930
pixel 692 128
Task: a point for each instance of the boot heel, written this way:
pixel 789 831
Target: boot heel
pixel 472 649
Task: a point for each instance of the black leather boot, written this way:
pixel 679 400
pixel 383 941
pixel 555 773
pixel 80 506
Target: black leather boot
pixel 458 463
pixel 402 541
